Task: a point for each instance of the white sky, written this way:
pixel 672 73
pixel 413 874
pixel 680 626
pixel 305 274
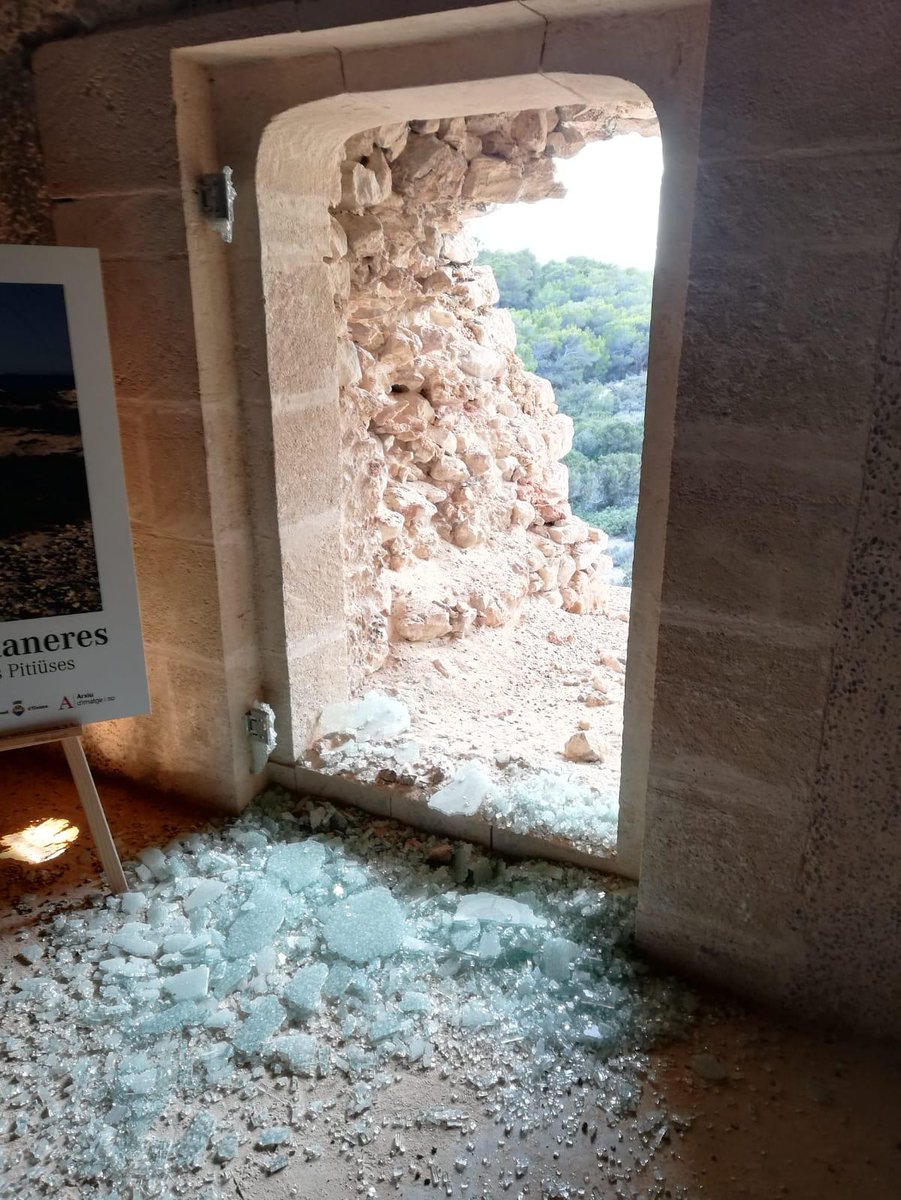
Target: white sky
pixel 609 212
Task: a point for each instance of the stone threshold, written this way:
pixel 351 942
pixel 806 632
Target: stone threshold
pixel 409 807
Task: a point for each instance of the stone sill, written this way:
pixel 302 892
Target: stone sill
pixel 409 806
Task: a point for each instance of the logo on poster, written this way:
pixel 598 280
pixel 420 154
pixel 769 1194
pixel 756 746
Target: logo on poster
pixel 67 703
pixel 18 708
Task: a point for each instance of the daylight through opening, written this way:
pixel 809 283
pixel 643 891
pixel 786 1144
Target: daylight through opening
pixel 495 288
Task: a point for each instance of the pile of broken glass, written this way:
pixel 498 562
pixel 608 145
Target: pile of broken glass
pixel 306 955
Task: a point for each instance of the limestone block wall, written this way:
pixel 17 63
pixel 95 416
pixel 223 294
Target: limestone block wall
pixel 773 847
pixel 455 502
pixel 106 172
pixel 773 851
pixel 132 115
pixel 114 181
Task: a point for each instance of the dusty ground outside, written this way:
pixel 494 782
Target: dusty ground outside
pixel 520 690
pixel 506 702
pixel 793 1114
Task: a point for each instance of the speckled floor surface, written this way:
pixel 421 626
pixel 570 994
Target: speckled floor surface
pixel 799 1115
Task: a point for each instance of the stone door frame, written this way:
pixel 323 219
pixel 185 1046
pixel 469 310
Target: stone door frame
pixel 277 110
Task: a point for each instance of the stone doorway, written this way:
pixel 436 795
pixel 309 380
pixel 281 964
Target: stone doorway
pixel 475 534
pixel 486 647
pixel 280 112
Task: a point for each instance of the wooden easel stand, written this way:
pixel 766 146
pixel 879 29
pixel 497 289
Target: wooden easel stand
pixel 69 736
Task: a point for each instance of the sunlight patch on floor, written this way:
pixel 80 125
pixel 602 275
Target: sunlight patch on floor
pixel 40 842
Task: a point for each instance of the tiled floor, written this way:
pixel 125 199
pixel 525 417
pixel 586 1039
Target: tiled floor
pixel 801 1115
pixel 36 784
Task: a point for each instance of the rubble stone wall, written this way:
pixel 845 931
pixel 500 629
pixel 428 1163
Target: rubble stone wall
pixel 455 500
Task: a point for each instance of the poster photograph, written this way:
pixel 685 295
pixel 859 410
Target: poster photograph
pixel 48 567
pixel 71 651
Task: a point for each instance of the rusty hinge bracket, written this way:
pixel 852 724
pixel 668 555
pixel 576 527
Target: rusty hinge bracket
pixel 217 202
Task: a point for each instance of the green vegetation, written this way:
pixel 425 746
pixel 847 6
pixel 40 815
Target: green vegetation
pixel 584 326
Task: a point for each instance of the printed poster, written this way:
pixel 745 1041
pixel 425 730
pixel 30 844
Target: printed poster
pixel 71 651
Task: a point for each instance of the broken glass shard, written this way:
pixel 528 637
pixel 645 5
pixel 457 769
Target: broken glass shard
pixel 275 1135
pixel 192 984
pixel 264 1017
pixel 485 906
pixel 258 921
pixel 204 894
pixel 297 865
pixel 303 994
pixel 374 717
pixel 469 788
pixel 367 926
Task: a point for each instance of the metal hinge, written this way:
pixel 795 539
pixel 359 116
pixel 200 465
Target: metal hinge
pixel 258 723
pixel 217 202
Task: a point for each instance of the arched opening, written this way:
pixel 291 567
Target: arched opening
pixel 342 563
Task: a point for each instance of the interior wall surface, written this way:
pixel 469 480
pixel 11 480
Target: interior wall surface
pixel 25 25
pixel 772 857
pixel 210 414
pixel 98 81
pixel 773 849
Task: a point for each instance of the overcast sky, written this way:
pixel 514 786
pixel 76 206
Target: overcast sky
pixel 609 213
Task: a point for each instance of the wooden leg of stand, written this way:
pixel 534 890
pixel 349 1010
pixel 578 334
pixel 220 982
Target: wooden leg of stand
pixel 93 810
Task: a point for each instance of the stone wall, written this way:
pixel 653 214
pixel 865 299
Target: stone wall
pixel 216 417
pixel 456 503
pixel 24 203
pixel 773 848
pixel 25 25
